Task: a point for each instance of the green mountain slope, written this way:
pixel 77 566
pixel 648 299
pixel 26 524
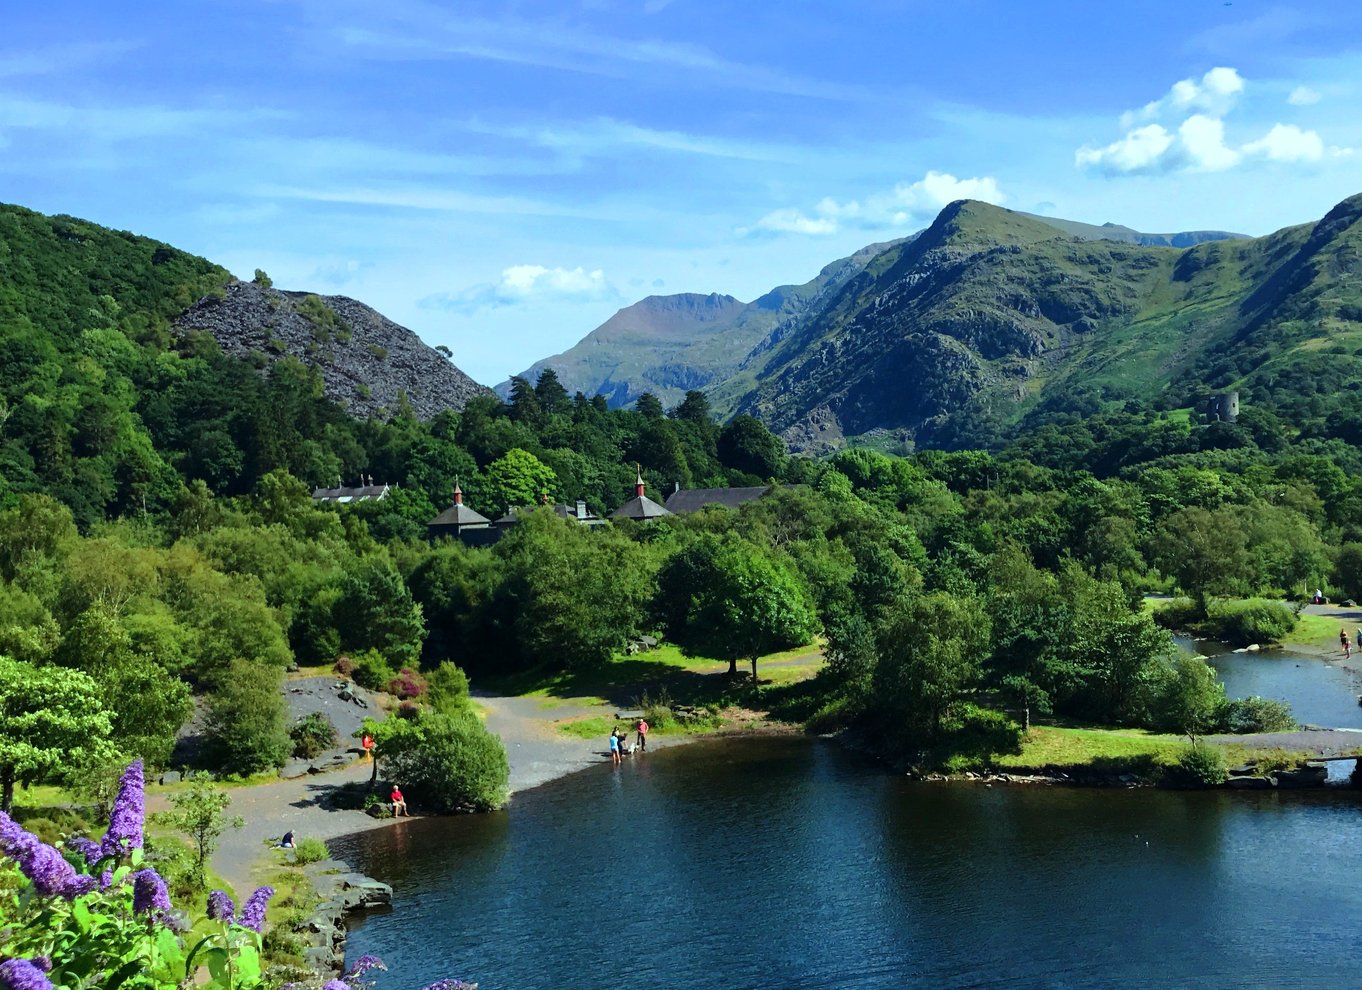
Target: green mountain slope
pixel 990 312
pixel 667 345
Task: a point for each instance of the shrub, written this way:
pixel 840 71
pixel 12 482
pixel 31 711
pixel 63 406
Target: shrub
pixel 1201 766
pixel 247 725
pixel 449 763
pixel 1256 715
pixel 371 670
pixel 344 666
pixel 313 735
pixel 408 710
pixel 407 684
pixel 1179 614
pixel 372 802
pixel 1254 621
pixel 658 711
pixel 310 850
pixel 447 688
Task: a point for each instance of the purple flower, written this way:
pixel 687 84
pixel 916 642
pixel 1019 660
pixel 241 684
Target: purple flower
pixel 125 824
pixel 336 985
pixel 363 964
pixel 85 847
pixel 106 878
pixel 43 962
pixel 44 865
pixel 253 912
pixel 220 907
pixel 22 974
pixel 448 984
pixel 149 892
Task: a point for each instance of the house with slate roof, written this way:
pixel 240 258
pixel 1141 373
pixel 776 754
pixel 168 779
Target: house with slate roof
pixel 684 500
pixel 365 491
pixel 640 508
pixel 462 522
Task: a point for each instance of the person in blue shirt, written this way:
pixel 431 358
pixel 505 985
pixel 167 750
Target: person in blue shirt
pixel 614 746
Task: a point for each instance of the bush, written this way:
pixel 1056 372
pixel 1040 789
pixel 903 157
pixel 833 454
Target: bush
pixel 1254 621
pixel 344 666
pixel 372 802
pixel 1256 715
pixel 310 850
pixel 313 735
pixel 447 688
pixel 247 725
pixel 449 763
pixel 371 670
pixel 972 736
pixel 658 711
pixel 407 684
pixel 1201 766
pixel 1180 614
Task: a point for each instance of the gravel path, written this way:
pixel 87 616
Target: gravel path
pixel 1323 742
pixel 535 748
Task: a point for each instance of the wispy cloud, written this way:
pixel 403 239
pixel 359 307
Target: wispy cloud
pixel 604 135
pixel 124 123
pixel 423 31
pixel 906 204
pixel 1303 96
pixel 521 284
pixel 61 59
pixel 426 198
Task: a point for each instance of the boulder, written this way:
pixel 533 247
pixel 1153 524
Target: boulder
pixel 1311 775
pixel 1251 783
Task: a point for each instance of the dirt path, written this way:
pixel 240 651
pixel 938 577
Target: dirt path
pixel 1322 742
pixel 536 749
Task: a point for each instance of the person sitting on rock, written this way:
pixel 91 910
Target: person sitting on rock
pixel 399 803
pixel 287 841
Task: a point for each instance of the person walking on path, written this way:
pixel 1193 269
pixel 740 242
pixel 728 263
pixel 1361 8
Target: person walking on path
pixel 642 743
pixel 1343 642
pixel 615 746
pixel 399 803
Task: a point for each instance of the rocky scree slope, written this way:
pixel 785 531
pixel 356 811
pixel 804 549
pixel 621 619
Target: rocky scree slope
pixel 367 362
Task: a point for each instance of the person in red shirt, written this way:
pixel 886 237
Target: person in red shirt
pixel 399 803
pixel 642 728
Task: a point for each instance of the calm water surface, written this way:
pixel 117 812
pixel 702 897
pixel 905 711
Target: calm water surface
pixel 791 863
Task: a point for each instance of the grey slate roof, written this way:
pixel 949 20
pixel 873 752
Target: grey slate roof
pixel 362 493
pixel 459 516
pixel 693 499
pixel 640 507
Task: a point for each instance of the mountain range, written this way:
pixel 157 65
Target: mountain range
pixel 951 335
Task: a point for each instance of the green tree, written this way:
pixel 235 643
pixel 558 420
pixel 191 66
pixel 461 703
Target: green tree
pixel 262 280
pixel 1206 551
pixel 247 723
pixel 375 610
pixel 931 651
pixel 49 717
pixel 518 478
pixel 552 396
pixel 746 445
pixel 199 814
pixel 729 599
pixel 649 406
pixel 1192 697
pixel 447 762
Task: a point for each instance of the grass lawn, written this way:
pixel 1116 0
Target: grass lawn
pixel 599 726
pixel 692 680
pixel 1319 632
pixel 1066 747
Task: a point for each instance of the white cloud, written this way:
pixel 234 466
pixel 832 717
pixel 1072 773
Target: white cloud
pixel 1215 94
pixel 1199 142
pixel 1202 142
pixel 907 203
pixel 1138 151
pixel 526 283
pixel 1288 143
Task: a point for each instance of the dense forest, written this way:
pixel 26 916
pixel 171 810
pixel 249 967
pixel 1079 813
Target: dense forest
pixel 158 539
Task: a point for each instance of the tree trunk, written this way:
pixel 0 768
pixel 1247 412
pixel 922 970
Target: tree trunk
pixel 373 777
pixel 7 782
pixel 733 668
pixel 1026 718
pixel 754 671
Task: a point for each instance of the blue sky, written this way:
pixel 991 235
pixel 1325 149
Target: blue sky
pixel 502 178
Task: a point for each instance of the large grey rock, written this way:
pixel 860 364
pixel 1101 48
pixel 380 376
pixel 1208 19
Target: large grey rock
pixel 1251 783
pixel 1310 775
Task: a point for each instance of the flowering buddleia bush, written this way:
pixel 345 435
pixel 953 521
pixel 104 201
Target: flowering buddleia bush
pixel 94 915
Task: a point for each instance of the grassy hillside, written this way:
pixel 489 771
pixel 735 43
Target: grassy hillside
pixel 990 313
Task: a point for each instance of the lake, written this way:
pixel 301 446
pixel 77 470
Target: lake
pixel 789 862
